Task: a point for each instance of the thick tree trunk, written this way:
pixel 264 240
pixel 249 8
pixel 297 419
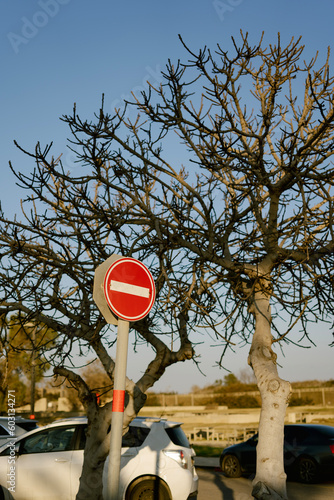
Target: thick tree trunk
pixel 98 441
pixel 96 450
pixel 270 479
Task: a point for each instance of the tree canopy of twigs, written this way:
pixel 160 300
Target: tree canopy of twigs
pixel 252 189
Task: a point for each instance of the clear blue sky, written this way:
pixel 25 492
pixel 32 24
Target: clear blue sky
pixel 57 52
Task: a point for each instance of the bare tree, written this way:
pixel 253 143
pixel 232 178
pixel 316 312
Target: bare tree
pixel 240 231
pixel 48 260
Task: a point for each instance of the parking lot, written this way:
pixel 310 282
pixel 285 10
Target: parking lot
pixel 213 484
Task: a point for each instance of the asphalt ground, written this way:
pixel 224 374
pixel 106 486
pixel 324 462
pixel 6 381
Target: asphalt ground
pixel 213 484
pixel 207 462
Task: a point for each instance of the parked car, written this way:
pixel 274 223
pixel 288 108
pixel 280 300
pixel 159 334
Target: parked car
pixel 12 427
pixel 48 462
pixel 308 453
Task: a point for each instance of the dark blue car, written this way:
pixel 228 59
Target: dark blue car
pixel 308 454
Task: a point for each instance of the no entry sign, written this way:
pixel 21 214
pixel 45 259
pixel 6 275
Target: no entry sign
pixel 129 289
pixel 124 291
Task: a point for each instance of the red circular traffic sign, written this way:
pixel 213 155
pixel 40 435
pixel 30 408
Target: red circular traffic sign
pixel 129 289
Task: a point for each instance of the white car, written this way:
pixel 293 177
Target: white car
pixel 45 464
pixel 12 427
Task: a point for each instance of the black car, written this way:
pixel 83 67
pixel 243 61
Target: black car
pixel 12 427
pixel 308 454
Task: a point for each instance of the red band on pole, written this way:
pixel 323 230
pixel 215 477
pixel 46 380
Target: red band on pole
pixel 118 400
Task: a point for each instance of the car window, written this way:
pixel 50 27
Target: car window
pixel 135 436
pixel 82 437
pixel 28 425
pixel 254 439
pixel 295 436
pixel 3 431
pixel 327 432
pixel 57 439
pixel 177 436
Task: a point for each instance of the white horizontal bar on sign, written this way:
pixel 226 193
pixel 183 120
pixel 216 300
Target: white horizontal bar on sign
pixel 119 286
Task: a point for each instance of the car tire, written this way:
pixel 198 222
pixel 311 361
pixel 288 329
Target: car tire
pixel 148 488
pixel 230 465
pixel 307 470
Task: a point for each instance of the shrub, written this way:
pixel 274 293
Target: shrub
pixel 296 401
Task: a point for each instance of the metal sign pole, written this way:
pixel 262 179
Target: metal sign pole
pixel 117 410
pixel 124 291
